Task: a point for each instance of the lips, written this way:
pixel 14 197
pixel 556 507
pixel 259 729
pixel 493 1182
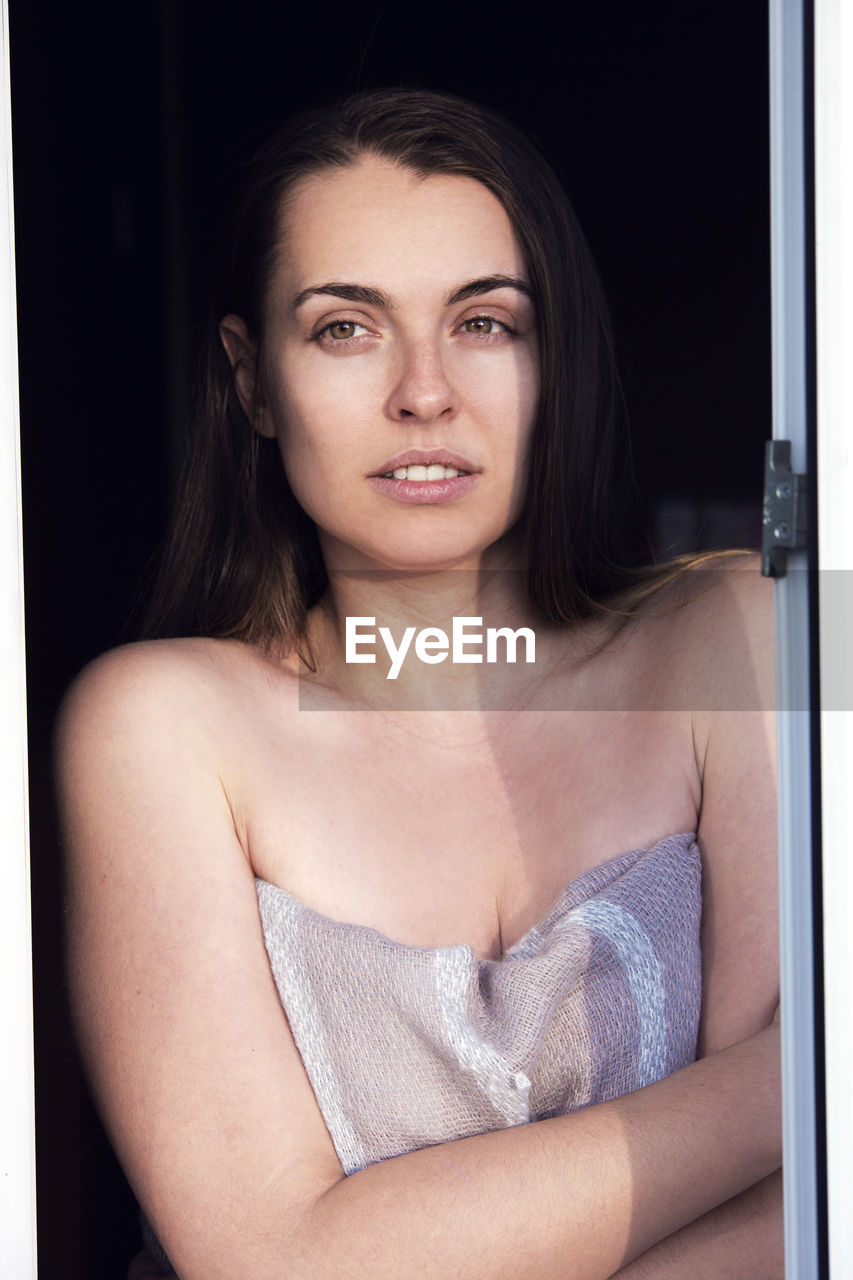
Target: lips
pixel 427 466
pixel 425 477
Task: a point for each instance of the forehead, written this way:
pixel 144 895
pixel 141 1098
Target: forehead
pixel 379 222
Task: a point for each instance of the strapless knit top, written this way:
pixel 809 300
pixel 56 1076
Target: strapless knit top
pixel 410 1046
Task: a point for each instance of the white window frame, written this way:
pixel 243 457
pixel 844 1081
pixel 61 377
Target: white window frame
pixel 818 1097
pixel 17 1116
pixel 833 69
pixel 789 285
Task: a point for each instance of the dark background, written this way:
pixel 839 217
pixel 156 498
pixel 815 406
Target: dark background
pixel 128 120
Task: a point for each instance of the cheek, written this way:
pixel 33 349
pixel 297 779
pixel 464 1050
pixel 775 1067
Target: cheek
pixel 529 394
pixel 306 418
pixel 521 396
pixel 315 401
pixel 508 401
pixel 315 428
pixel 312 467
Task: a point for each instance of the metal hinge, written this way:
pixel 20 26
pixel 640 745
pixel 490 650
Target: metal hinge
pixel 784 518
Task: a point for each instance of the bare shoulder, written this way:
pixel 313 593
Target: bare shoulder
pixel 721 654
pixel 711 630
pixel 731 597
pixel 166 692
pixel 149 740
pixel 152 672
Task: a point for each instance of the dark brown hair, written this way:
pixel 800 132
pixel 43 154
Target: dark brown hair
pixel 242 558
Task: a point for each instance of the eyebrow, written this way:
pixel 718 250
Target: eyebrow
pixel 376 298
pixel 488 284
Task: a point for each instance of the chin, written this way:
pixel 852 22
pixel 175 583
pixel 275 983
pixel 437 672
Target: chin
pixel 429 562
pixel 412 550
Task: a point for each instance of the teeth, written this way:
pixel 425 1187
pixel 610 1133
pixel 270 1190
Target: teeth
pixel 435 471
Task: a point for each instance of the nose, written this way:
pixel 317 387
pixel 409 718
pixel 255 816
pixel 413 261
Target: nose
pixel 423 392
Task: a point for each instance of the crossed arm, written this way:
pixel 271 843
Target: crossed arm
pixel 210 1111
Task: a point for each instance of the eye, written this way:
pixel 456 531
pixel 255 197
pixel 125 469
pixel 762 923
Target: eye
pixel 341 330
pixel 485 326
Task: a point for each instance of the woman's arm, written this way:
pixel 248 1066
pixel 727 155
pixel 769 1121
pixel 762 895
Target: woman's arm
pixel 572 1197
pixel 735 748
pixel 739 1241
pixel 724 643
pixel 203 1091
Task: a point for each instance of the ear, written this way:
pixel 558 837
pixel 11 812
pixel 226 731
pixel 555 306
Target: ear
pixel 242 353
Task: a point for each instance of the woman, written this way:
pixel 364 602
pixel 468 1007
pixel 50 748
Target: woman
pixel 406 443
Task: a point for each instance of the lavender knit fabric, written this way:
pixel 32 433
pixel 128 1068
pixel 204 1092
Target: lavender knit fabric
pixel 410 1046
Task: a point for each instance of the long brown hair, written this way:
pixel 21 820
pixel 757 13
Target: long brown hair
pixel 242 559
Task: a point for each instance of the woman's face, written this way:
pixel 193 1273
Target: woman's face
pixel 399 366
